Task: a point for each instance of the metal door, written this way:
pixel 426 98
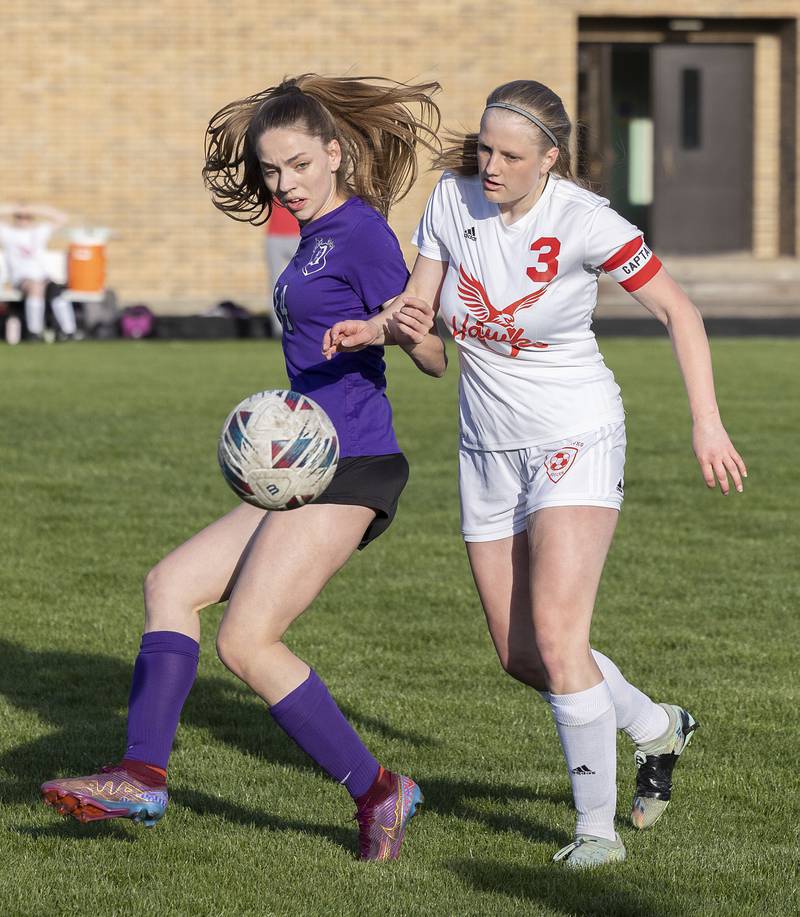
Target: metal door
pixel 703 181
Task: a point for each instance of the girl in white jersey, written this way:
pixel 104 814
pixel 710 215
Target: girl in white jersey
pixel 510 250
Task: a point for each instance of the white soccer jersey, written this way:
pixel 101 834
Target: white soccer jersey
pixel 519 299
pixel 24 248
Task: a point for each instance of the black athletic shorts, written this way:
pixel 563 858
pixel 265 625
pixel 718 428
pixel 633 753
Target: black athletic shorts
pixel 375 481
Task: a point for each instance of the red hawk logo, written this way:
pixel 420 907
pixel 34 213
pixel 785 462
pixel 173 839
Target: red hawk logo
pixel 473 295
pixel 558 463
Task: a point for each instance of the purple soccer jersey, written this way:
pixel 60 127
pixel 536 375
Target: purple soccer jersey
pixel 347 265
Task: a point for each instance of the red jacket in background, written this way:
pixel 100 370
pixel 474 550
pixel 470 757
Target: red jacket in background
pixel 281 222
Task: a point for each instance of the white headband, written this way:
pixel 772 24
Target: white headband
pixel 526 114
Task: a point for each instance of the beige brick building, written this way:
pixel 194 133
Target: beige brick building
pixel 105 105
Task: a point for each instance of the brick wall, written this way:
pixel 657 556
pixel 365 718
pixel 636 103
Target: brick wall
pixel 105 106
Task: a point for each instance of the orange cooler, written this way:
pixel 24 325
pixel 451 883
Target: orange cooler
pixel 86 262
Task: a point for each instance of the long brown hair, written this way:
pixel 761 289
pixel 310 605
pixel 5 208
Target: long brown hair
pixel 372 118
pixel 460 154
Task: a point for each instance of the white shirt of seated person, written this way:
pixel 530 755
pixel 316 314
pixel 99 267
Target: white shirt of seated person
pixel 24 248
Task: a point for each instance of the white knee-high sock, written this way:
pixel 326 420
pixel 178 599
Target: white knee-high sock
pixel 65 314
pixel 636 714
pixel 34 314
pixel 587 728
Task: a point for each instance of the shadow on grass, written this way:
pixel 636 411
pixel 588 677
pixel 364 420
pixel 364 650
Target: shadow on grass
pixel 78 694
pixel 204 804
pixel 201 804
pixel 610 890
pixel 466 799
pixel 70 830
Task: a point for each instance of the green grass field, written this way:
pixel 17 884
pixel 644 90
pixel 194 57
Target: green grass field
pixel 108 460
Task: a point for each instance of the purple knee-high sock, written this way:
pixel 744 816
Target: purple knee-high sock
pixel 310 717
pixel 162 678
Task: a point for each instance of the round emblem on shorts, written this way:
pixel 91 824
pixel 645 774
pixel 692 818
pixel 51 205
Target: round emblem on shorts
pixel 558 463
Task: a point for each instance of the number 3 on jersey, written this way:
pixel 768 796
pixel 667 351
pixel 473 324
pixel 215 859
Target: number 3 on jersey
pixel 546 266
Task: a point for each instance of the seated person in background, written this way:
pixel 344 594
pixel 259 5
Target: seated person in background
pixel 25 231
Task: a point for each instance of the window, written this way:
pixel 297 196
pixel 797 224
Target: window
pixel 690 109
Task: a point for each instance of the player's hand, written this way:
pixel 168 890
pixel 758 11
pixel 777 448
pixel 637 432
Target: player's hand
pixel 348 336
pixel 716 456
pixel 411 324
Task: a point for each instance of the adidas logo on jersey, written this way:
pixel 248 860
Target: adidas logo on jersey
pixel 582 770
pixel 469 234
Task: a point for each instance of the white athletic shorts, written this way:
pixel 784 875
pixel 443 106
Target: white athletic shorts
pixel 499 490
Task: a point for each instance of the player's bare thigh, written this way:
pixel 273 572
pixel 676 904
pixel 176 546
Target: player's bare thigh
pixel 568 547
pixel 200 572
pixel 291 558
pixel 501 572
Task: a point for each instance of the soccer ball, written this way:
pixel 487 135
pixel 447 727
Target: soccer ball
pixel 278 450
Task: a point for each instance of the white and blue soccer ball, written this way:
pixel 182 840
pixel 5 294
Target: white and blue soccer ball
pixel 278 450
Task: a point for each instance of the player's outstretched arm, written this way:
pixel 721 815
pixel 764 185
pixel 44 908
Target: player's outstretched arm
pixel 407 320
pixel 714 450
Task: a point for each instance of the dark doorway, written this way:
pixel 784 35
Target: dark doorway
pixel 631 180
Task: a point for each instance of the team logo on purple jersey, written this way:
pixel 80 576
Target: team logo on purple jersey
pixel 318 256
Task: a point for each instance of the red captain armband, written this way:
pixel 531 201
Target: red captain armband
pixel 633 265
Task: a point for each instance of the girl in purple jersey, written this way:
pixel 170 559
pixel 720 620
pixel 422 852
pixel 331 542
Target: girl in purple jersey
pixel 337 153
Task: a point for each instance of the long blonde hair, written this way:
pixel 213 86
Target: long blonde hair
pixel 460 154
pixel 372 118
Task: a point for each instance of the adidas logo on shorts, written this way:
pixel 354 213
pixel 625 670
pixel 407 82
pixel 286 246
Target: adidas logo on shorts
pixel 469 234
pixel 582 770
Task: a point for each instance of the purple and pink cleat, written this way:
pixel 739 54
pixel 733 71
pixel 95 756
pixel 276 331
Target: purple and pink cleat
pixel 382 821
pixel 117 792
pixel 114 792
